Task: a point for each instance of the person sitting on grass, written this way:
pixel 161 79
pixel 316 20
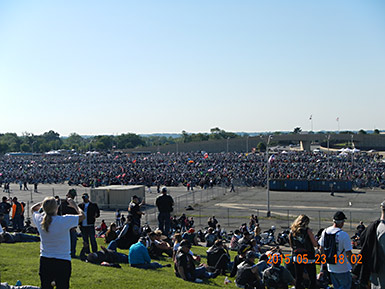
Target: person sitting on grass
pixel 111 234
pixel 277 276
pixel 210 237
pixel 191 236
pixel 126 238
pixel 185 267
pixel 218 256
pixel 239 258
pixel 138 256
pixel 247 273
pixel 156 246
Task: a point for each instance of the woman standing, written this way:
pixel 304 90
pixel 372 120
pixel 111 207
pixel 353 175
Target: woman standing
pixel 55 248
pixel 302 242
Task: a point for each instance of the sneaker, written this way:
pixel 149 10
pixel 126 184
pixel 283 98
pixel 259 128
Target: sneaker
pixel 167 265
pixel 197 280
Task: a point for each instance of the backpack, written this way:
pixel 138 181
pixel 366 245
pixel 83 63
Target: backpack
pixel 273 277
pixel 331 247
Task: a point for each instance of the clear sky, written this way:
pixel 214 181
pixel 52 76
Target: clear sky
pixel 111 67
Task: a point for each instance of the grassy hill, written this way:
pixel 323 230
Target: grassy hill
pixel 20 261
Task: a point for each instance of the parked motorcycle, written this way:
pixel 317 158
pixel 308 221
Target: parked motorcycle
pixel 267 237
pixel 283 237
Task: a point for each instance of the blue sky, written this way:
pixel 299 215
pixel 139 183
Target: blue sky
pixel 111 67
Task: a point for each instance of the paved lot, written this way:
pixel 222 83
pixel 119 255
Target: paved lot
pixel 233 209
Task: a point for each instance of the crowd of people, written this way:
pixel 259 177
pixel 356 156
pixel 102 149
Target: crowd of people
pixel 172 242
pixel 190 169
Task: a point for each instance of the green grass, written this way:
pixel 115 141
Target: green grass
pixel 20 261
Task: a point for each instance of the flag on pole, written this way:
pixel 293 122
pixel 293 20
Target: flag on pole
pixel 311 117
pixel 271 158
pixel 337 119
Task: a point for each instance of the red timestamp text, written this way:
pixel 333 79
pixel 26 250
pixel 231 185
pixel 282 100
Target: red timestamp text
pixel 319 259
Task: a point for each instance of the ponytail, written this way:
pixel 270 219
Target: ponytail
pixel 50 208
pixel 47 220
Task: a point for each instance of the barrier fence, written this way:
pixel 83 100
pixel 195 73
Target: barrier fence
pixel 231 218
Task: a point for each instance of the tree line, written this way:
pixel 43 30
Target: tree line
pixel 51 140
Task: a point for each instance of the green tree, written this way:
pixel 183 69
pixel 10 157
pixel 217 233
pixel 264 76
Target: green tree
pixel 24 147
pixel 376 131
pixel 361 131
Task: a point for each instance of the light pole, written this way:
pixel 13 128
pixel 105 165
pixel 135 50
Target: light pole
pixel 268 176
pixel 32 146
pixel 352 136
pixel 228 144
pixel 328 139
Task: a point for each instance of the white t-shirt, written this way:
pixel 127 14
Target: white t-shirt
pixel 84 223
pixel 344 244
pixel 56 242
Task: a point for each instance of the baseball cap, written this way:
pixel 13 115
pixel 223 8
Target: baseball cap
pixel 339 216
pixel 85 195
pixel 135 197
pixel 163 189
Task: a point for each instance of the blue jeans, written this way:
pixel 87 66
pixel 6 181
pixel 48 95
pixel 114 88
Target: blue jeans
pixel 74 239
pixel 164 223
pixel 153 265
pixel 341 280
pixel 201 272
pixel 6 220
pixel 88 232
pixel 20 237
pixel 112 245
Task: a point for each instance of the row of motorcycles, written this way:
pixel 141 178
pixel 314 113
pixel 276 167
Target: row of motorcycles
pixel 268 237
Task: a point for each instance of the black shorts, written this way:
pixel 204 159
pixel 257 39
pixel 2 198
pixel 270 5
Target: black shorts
pixel 57 270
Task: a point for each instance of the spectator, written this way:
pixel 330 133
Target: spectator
pixel 55 252
pixel 5 208
pixel 165 205
pixel 247 273
pixel 185 267
pixel 218 257
pixel 277 276
pixel 191 236
pixel 17 215
pixel 138 256
pixel 302 242
pixel 339 272
pixel 210 237
pixel 87 226
pixel 65 209
pixel 110 234
pixel 234 242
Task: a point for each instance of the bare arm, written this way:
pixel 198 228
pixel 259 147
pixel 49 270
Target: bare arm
pixel 72 204
pixel 36 207
pixel 312 238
